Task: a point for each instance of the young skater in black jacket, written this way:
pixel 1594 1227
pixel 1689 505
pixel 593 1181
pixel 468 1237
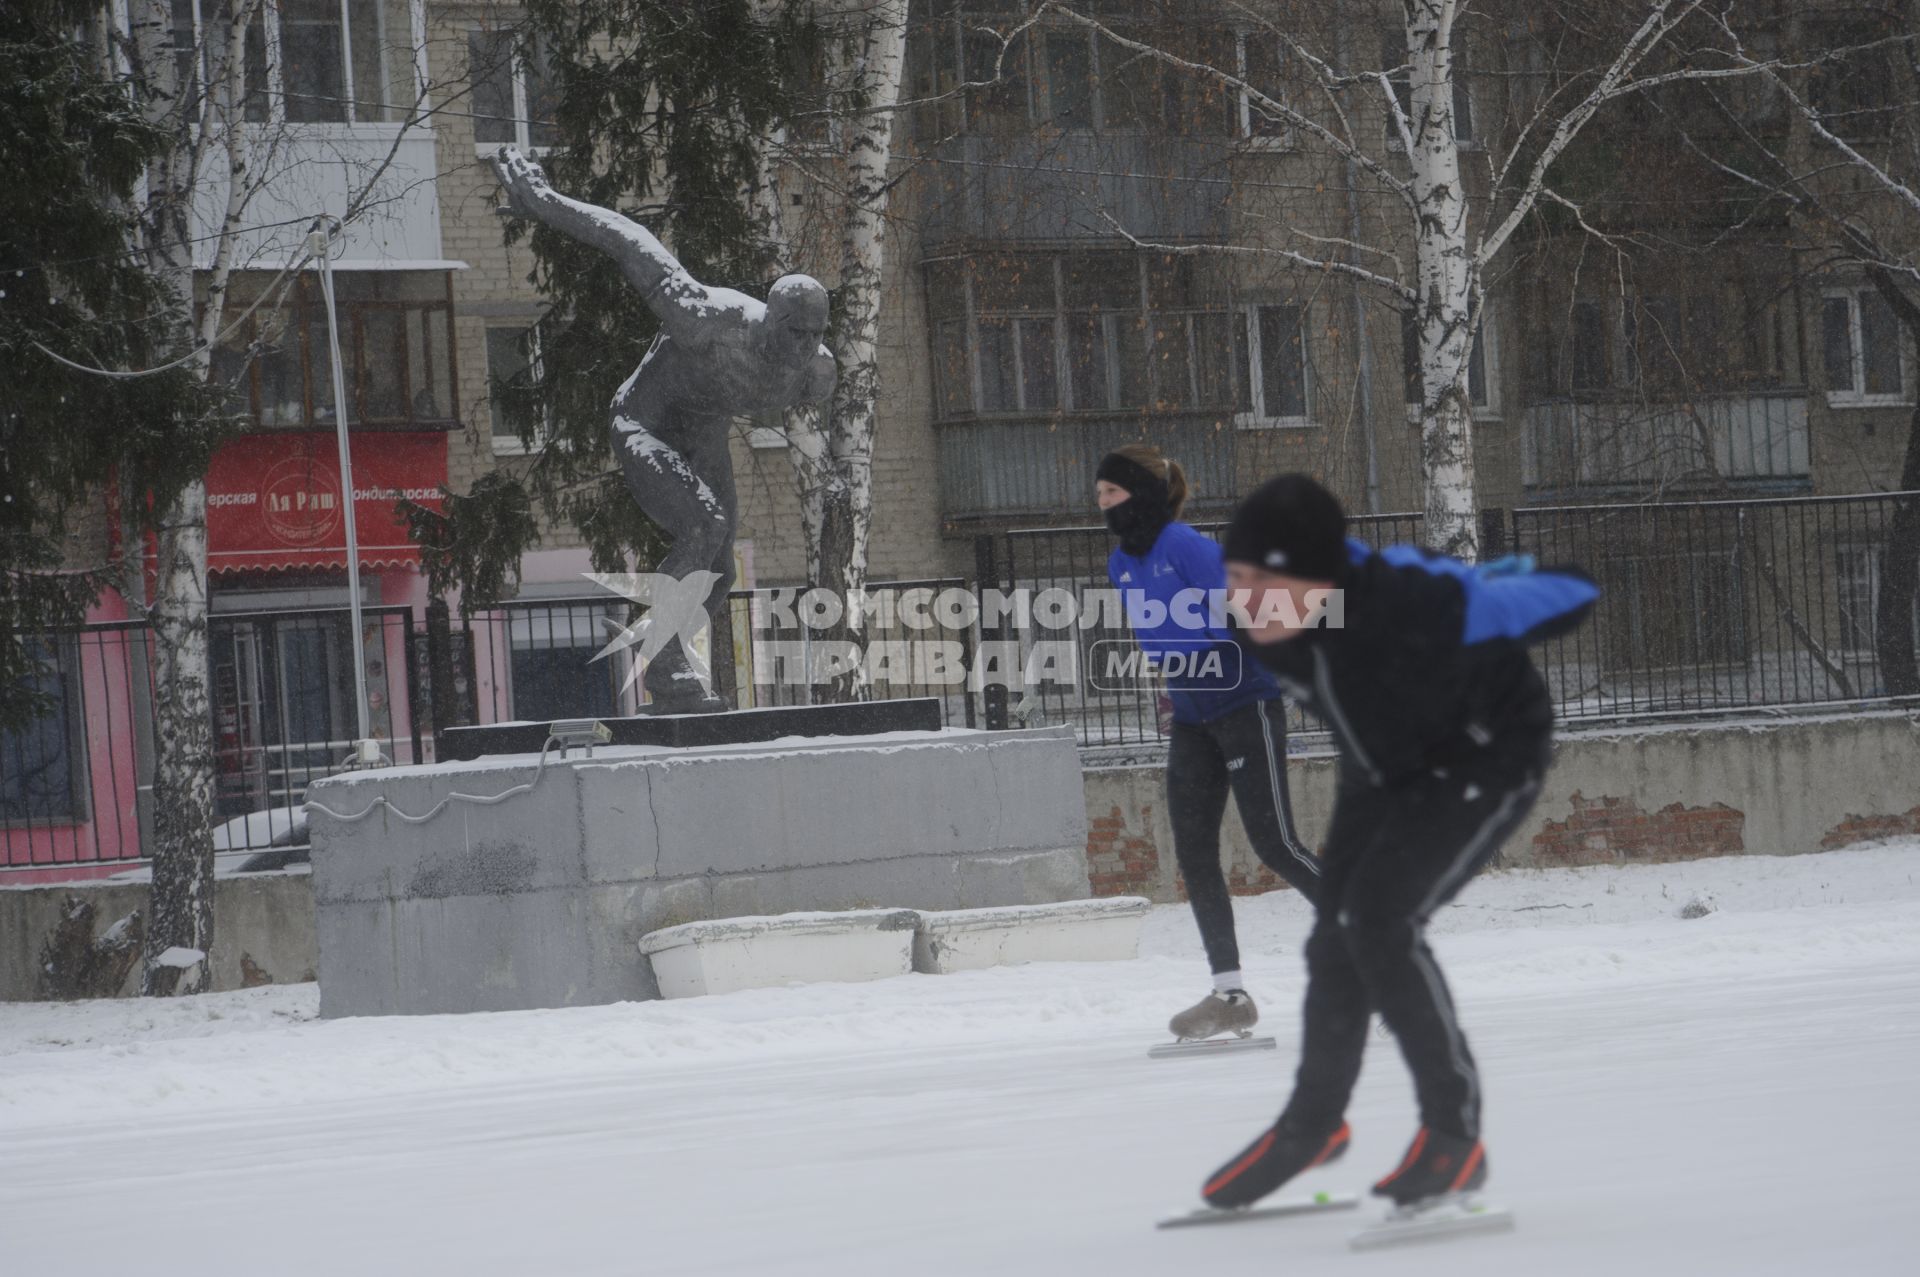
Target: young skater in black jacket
pixel 1443 727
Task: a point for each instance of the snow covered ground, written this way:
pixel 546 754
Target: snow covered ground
pixel 1732 1093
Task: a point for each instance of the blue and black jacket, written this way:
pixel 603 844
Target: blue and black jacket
pixel 1430 667
pixel 1183 559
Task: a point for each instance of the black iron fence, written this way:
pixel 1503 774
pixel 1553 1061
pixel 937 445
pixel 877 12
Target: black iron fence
pixel 76 783
pixel 1709 607
pixel 1115 710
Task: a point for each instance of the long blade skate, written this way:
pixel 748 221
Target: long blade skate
pixel 1211 1046
pixel 1315 1204
pixel 1450 1216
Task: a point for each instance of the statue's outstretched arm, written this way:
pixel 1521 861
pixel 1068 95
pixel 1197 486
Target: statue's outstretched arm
pixel 672 294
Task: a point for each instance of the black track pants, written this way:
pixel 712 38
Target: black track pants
pixel 1245 751
pixel 1393 856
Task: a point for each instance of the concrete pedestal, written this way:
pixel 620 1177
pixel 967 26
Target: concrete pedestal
pixel 539 900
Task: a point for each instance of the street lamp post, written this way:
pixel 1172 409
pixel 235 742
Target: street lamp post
pixel 366 750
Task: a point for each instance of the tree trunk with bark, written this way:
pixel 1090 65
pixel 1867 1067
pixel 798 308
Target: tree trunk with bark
pixel 1445 281
pixel 180 920
pixel 833 459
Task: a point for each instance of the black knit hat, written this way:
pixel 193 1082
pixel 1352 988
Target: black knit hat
pixel 1293 525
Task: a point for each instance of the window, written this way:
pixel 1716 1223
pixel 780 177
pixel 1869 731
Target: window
pixel 1855 87
pixel 1862 346
pixel 395 344
pixel 1199 104
pixel 512 98
pixel 1069 80
pixel 41 776
pixel 814 125
pixel 997 105
pixel 1082 332
pixel 1672 608
pixel 1272 348
pixel 1480 385
pixel 552 666
pixel 1590 364
pixel 308 61
pixel 1858 584
pixel 1081 80
pixel 1667 345
pixel 1132 86
pixel 513 358
pixel 1259 65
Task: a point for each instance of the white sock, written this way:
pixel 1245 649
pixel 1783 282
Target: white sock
pixel 1228 982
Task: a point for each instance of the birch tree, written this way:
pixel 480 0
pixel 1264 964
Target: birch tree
pixel 201 84
pixel 1455 214
pixel 833 458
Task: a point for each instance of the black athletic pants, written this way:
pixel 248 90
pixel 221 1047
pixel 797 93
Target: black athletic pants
pixel 1393 856
pixel 1245 751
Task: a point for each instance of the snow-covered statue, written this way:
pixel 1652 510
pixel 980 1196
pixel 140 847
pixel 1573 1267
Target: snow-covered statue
pixel 720 354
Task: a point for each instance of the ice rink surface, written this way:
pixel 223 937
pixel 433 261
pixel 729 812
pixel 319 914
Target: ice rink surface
pixel 1736 1093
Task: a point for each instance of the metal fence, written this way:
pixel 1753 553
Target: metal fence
pixel 1708 607
pixel 76 784
pixel 1712 606
pixel 535 660
pixel 1123 711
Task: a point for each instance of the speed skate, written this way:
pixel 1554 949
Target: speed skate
pixel 1455 1215
pixel 1312 1204
pixel 1240 1041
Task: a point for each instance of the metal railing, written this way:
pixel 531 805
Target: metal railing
pixel 1126 711
pixel 534 660
pixel 1709 607
pixel 76 784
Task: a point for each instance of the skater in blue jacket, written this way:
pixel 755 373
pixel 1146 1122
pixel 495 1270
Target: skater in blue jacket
pixel 1229 724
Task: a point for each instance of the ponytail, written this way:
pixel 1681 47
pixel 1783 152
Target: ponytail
pixel 1151 459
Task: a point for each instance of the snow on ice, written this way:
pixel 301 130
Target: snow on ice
pixel 1728 1092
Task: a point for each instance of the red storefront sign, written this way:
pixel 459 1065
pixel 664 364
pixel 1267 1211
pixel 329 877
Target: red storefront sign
pixel 274 501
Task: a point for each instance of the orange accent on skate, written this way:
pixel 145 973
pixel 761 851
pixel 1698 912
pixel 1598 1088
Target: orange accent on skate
pixel 1226 1177
pixel 1466 1172
pixel 1406 1164
pixel 1335 1142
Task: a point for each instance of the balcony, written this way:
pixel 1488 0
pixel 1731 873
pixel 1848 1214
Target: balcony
pixel 1065 187
pixel 312 169
pixel 1753 438
pixel 1028 468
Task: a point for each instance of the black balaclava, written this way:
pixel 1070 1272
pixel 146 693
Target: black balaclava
pixel 1138 520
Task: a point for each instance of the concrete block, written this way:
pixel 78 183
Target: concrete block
pixel 1071 931
pixel 767 952
pixel 529 842
pixel 539 900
